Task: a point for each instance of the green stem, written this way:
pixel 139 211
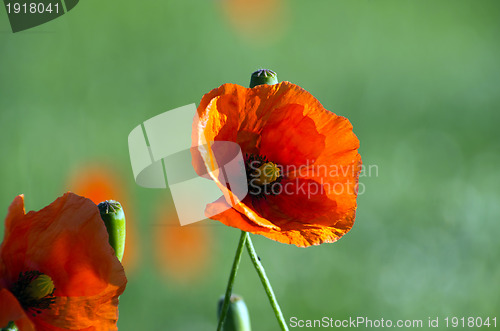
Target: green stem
pixel 237 258
pixel 267 285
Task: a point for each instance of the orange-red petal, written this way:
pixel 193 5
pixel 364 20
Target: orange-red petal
pixel 11 310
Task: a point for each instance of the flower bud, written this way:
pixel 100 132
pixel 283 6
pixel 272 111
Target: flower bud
pixel 237 318
pixel 263 76
pixel 114 219
pixel 10 327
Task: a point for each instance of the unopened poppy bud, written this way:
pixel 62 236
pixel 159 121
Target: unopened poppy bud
pixel 237 318
pixel 263 76
pixel 10 327
pixel 40 287
pixel 114 219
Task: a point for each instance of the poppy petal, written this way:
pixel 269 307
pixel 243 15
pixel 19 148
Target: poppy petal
pixel 11 310
pixel 97 312
pixel 299 234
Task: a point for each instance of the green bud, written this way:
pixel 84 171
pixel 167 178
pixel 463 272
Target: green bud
pixel 263 76
pixel 237 318
pixel 114 219
pixel 10 327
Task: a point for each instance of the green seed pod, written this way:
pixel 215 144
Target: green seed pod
pixel 114 219
pixel 263 76
pixel 40 287
pixel 10 327
pixel 237 318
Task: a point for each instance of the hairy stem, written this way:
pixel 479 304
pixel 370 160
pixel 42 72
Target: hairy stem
pixel 267 285
pixel 237 258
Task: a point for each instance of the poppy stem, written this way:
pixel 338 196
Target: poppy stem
pixel 236 263
pixel 267 285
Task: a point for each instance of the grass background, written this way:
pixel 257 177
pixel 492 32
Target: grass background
pixel 419 80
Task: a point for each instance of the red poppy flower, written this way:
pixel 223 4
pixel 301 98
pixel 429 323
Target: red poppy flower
pixel 183 253
pixel 57 271
pixel 302 162
pixel 261 21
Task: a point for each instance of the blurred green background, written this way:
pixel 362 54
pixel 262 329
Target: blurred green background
pixel 419 80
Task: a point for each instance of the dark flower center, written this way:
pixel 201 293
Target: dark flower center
pixel 263 176
pixel 34 291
